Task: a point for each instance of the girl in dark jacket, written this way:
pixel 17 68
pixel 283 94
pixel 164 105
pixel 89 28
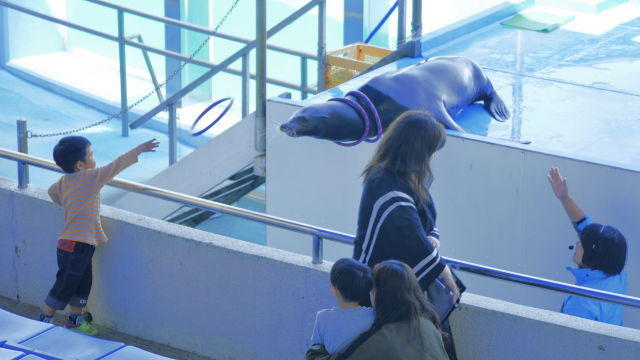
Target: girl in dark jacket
pixel 405 325
pixel 397 217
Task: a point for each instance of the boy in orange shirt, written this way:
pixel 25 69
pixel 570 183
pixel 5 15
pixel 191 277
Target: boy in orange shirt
pixel 78 193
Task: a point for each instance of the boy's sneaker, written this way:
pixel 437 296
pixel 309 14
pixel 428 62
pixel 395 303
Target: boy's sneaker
pixel 79 324
pixel 45 318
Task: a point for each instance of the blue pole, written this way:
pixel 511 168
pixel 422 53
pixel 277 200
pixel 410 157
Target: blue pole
pixel 246 82
pixel 304 73
pixel 353 21
pixel 122 59
pixel 322 43
pixel 172 42
pixel 384 20
pixel 402 22
pixel 261 77
pixel 173 134
pixel 4 36
pixel 23 147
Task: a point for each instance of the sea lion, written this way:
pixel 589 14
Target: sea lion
pixel 441 86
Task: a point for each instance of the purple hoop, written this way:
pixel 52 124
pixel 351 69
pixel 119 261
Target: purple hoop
pixel 364 98
pixel 363 113
pixel 214 104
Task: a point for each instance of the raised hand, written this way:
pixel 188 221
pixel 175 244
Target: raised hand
pixel 148 146
pixel 558 184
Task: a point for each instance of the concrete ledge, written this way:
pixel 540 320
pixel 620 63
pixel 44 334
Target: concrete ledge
pixel 486 328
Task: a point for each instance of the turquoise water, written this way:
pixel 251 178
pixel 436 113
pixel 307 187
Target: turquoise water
pixel 238 228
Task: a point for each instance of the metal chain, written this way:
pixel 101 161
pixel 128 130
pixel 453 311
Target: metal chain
pixel 160 86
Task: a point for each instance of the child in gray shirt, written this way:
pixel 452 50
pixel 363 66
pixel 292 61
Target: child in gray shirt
pixel 350 285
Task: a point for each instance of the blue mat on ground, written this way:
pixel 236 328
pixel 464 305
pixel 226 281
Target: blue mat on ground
pixel 6 354
pixel 67 344
pixel 15 328
pixel 32 357
pixel 39 354
pixel 133 353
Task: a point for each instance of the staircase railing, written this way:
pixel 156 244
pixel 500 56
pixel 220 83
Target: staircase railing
pixel 318 234
pixel 170 103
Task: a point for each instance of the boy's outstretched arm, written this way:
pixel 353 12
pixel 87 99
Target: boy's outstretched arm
pixel 53 192
pixel 106 173
pixel 561 190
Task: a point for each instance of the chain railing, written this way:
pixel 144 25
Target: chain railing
pixel 156 89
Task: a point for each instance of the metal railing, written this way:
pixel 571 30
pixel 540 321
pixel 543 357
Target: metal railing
pixel 243 55
pixel 318 234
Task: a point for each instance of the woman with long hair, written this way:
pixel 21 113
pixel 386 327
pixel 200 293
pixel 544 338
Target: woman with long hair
pixel 405 325
pixel 397 217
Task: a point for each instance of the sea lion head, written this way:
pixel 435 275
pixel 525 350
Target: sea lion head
pixel 316 120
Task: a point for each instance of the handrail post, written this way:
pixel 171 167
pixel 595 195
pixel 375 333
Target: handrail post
pixel 303 76
pixel 246 82
pixel 402 22
pixel 23 147
pixel 322 43
pixel 261 76
pixel 122 59
pixel 173 133
pixel 317 249
pixel 416 20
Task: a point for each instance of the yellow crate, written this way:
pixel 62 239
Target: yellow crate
pixel 346 63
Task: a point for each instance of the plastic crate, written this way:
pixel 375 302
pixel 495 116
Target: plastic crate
pixel 348 62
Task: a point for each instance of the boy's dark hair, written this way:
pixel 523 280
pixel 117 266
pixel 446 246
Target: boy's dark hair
pixel 605 248
pixel 69 150
pixel 352 279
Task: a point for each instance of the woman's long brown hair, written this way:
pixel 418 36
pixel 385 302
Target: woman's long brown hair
pixel 398 297
pixel 406 150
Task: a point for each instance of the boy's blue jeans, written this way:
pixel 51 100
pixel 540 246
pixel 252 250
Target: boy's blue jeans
pixel 74 276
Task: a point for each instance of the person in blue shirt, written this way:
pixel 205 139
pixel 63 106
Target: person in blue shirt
pixel 335 328
pixel 600 254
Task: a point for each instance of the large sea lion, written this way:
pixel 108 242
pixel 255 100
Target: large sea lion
pixel 442 86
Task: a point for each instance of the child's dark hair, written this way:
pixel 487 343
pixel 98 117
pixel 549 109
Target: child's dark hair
pixel 605 248
pixel 69 150
pixel 352 279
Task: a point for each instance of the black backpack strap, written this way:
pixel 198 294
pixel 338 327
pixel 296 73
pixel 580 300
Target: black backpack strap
pixel 355 344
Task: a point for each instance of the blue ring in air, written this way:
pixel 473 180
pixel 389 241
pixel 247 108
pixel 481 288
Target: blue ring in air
pixel 214 104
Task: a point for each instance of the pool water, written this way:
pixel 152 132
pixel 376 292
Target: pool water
pixel 573 92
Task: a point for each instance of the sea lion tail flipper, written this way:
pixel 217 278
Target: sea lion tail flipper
pixel 498 108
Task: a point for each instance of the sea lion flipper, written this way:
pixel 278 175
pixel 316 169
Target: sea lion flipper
pixel 497 108
pixel 441 114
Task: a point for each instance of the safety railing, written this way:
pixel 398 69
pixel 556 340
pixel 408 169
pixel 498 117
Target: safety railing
pixel 318 234
pixel 172 100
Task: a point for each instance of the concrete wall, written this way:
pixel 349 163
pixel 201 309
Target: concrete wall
pixel 186 288
pixel 229 299
pixel 489 329
pixel 106 20
pixel 494 204
pixel 26 30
